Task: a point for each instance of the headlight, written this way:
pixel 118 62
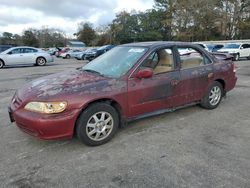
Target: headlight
pixel 46 107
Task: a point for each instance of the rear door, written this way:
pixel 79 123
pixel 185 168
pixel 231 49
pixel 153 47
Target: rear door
pixel 196 74
pixel 155 93
pixel 29 55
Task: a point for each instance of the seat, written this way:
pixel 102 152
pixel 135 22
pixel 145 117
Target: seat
pixel 165 62
pixel 191 62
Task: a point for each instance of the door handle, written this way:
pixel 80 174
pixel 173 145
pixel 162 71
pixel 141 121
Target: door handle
pixel 210 75
pixel 174 82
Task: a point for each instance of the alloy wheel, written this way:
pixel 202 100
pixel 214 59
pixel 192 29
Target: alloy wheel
pixel 215 95
pixel 41 61
pixel 99 126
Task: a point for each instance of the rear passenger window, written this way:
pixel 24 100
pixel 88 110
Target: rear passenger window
pixel 191 58
pixel 30 50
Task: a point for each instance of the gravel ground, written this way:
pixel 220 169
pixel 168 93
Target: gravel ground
pixel 191 147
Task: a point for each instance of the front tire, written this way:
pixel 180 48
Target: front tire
pixel 41 61
pixel 1 64
pixel 97 124
pixel 213 96
pixel 237 57
pixel 67 56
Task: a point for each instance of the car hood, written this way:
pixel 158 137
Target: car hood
pixel 56 85
pixel 228 50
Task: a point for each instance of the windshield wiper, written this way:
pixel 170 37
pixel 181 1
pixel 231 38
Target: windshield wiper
pixel 93 71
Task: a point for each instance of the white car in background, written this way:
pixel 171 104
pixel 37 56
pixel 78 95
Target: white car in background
pixel 238 50
pixel 24 55
pixel 70 53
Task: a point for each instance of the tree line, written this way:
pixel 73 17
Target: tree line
pixel 183 20
pixel 44 38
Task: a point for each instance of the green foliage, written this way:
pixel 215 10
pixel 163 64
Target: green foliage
pixel 183 20
pixel 29 38
pixel 86 33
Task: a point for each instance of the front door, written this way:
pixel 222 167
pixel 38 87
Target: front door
pixel 155 93
pixel 245 50
pixel 15 56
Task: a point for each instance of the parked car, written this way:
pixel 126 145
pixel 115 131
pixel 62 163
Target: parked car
pixel 203 45
pixel 52 51
pixel 5 47
pixel 70 53
pixel 130 81
pixel 94 54
pixel 24 55
pixel 214 47
pixel 81 55
pixel 238 50
pixel 60 51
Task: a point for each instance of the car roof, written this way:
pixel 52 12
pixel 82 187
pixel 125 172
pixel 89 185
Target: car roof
pixel 24 47
pixel 157 43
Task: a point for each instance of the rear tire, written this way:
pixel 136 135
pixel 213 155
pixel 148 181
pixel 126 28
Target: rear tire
pixel 40 61
pixel 97 124
pixel 237 57
pixel 1 64
pixel 213 96
pixel 67 56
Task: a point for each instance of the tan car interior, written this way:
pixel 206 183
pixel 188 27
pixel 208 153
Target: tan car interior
pixel 165 62
pixel 190 62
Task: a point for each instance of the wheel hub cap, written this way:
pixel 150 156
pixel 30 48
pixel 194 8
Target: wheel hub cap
pixel 215 95
pixel 99 126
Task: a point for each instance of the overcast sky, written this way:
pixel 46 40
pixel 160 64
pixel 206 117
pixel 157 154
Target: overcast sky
pixel 17 15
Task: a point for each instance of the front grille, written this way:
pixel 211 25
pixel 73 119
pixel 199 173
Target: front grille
pixel 17 101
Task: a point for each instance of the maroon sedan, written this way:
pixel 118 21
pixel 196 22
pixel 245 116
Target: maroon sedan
pixel 129 82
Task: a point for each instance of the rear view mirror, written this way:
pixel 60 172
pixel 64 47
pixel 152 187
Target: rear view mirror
pixel 144 73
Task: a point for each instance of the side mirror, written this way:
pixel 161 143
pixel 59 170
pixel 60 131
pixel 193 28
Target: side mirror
pixel 144 73
pixel 241 47
pixel 9 53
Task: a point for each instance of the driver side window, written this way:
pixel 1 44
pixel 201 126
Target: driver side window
pixel 161 61
pixel 15 51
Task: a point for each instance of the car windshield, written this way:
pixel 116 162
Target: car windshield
pixel 116 62
pixel 233 46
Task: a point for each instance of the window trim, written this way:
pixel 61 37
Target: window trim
pixel 154 51
pixel 197 49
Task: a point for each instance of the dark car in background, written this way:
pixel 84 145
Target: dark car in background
pixel 81 55
pixel 214 47
pixel 130 81
pixel 5 47
pixel 94 54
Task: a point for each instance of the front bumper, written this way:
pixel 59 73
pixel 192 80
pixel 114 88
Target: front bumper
pixel 44 126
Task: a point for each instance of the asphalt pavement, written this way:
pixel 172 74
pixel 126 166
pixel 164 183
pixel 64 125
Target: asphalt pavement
pixel 191 147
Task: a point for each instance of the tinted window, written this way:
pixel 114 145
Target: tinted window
pixel 16 51
pixel 192 59
pixel 245 46
pixel 29 50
